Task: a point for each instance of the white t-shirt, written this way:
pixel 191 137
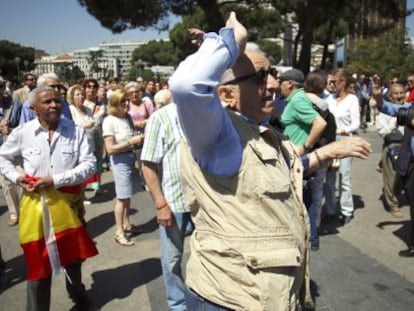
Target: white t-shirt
pixel 120 128
pixel 346 112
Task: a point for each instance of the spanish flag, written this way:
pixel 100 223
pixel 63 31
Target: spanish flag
pixel 52 231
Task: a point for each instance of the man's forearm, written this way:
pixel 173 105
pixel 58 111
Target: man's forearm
pixel 150 172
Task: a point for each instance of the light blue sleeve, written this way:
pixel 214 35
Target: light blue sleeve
pixel 27 114
pixel 392 109
pixel 214 142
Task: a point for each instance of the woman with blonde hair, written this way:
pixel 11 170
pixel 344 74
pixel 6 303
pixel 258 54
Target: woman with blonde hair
pixel 120 143
pixel 81 116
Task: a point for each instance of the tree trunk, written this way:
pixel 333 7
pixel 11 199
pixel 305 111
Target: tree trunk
pixel 213 16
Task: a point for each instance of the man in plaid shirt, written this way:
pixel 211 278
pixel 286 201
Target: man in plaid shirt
pixel 160 166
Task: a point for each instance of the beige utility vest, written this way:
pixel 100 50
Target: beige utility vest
pixel 250 246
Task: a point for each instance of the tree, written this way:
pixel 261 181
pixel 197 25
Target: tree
pixel 386 55
pixel 93 59
pixel 156 53
pixel 9 51
pixel 309 15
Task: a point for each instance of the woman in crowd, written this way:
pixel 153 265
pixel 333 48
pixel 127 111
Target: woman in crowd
pixel 81 115
pixel 345 108
pixel 98 112
pixel 120 144
pixel 140 109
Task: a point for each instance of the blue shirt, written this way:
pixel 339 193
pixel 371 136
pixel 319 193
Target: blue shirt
pixel 28 114
pixel 213 139
pixel 392 110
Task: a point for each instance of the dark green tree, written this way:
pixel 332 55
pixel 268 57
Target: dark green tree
pixel 156 53
pixel 93 59
pixel 12 58
pixel 386 55
pixel 309 15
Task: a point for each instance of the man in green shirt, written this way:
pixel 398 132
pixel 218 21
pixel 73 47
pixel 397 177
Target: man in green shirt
pixel 303 125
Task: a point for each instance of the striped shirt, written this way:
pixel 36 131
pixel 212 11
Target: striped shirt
pixel 162 137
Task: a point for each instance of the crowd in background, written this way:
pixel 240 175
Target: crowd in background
pixel 88 101
pixel 115 113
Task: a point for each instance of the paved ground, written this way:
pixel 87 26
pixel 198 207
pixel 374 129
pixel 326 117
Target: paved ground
pixel 356 268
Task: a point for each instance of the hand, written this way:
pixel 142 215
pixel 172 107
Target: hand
pixel 164 216
pixel 240 32
pixel 198 34
pixel 354 146
pixel 44 183
pixel 137 139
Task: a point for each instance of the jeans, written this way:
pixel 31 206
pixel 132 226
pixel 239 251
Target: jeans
pixel 345 189
pixel 312 196
pixel 197 303
pixel 172 245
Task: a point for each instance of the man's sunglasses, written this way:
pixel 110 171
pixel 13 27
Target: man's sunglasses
pixel 260 76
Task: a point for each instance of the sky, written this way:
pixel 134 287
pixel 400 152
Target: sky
pixel 61 26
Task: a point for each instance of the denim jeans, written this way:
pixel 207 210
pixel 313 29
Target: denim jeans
pixel 345 189
pixel 197 303
pixel 312 196
pixel 172 245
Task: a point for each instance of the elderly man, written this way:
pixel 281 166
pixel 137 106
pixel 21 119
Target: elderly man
pixel 46 79
pixel 161 169
pixel 241 180
pixel 20 96
pixel 405 167
pixel 56 160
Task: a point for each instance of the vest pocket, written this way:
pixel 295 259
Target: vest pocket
pixel 290 257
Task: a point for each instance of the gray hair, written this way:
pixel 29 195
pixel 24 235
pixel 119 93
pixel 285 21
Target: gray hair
pixel 131 84
pixel 32 100
pixel 162 98
pixel 41 81
pixel 251 47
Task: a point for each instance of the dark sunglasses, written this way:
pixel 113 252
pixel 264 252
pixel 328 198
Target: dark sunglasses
pixel 55 86
pixel 92 86
pixel 49 101
pixel 260 76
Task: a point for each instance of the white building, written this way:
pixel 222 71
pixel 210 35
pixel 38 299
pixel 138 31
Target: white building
pixel 112 59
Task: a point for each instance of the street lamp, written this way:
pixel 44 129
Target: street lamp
pixel 17 61
pixel 26 64
pixel 138 64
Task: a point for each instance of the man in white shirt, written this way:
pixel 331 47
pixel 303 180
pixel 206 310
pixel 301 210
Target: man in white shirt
pixel 56 160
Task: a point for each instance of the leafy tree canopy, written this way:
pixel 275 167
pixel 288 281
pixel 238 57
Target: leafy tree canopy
pixel 13 56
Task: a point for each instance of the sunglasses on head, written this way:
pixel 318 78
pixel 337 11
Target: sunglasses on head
pixel 260 76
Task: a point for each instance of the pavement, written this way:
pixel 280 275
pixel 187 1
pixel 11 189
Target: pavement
pixel 356 268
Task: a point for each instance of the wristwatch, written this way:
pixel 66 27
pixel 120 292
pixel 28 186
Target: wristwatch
pixel 307 148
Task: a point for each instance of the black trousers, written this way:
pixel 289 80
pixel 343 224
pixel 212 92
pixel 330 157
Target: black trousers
pixel 409 192
pixel 38 292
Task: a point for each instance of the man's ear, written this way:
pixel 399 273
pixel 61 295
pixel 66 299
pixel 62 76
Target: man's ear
pixel 227 95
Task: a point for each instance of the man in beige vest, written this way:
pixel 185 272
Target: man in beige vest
pixel 241 180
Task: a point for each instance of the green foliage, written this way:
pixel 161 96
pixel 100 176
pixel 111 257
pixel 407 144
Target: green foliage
pixel 272 49
pixel 13 57
pixel 156 53
pixel 386 55
pixel 128 14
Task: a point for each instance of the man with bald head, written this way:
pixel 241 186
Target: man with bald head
pixel 241 180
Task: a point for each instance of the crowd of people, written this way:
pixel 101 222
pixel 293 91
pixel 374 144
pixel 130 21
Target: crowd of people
pixel 245 156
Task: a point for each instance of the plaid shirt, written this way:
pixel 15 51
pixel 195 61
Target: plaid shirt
pixel 162 137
